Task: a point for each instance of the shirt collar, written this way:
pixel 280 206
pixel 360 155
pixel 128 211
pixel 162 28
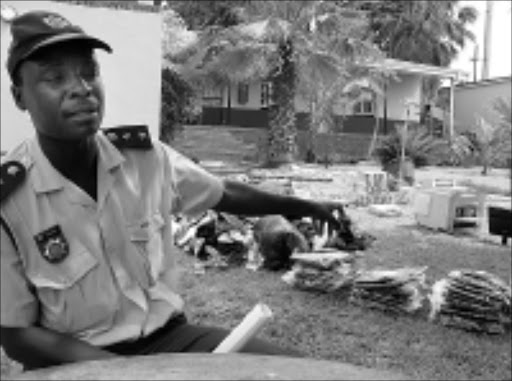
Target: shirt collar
pixel 47 179
pixel 110 156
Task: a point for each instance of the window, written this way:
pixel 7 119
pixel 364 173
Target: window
pixel 364 107
pixel 212 96
pixel 243 93
pixel 266 94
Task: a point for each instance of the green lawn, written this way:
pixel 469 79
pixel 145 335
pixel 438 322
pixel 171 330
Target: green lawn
pixel 327 326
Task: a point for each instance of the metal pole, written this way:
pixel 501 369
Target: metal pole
pixel 404 142
pixel 487 39
pixel 451 110
pixel 475 61
pixel 452 103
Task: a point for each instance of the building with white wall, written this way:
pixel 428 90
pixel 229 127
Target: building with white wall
pixel 474 100
pixel 131 74
pixel 247 105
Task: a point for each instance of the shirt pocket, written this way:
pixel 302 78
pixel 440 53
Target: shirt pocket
pixel 72 297
pixel 146 237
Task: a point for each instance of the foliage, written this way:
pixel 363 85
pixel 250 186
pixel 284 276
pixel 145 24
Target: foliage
pixel 493 137
pixel 503 109
pixel 299 46
pixel 114 4
pixel 199 15
pixel 460 150
pixel 423 31
pixel 178 106
pixel 420 147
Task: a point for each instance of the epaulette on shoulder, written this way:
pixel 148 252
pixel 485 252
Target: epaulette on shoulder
pixel 135 136
pixel 12 175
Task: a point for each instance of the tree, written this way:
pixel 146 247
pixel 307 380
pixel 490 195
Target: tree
pixel 295 45
pixel 199 15
pixel 423 31
pixel 492 137
pixel 177 104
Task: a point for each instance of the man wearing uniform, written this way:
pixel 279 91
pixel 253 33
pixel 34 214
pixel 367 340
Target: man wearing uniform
pixel 87 259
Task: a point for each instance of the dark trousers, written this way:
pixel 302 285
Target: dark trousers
pixel 180 336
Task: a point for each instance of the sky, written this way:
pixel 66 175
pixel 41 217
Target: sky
pixel 501 53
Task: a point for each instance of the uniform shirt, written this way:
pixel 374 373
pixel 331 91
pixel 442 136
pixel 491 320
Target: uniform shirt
pixel 118 281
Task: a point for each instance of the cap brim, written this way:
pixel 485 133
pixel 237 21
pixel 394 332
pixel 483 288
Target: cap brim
pixel 78 37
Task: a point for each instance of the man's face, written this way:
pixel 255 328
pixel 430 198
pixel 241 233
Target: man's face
pixel 62 91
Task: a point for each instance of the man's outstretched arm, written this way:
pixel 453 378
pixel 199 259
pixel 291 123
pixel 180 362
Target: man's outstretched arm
pixel 244 199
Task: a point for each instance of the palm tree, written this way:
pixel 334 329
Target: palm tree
pixel 423 31
pixel 295 45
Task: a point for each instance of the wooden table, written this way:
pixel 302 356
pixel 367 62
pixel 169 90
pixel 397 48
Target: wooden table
pixel 200 366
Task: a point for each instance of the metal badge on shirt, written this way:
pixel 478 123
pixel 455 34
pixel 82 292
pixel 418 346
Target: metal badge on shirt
pixel 52 244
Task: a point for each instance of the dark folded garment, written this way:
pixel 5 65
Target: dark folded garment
pixel 471 324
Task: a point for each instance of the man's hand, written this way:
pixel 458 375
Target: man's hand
pixel 332 213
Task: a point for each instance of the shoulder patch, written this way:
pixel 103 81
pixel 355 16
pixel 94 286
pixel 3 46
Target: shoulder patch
pixel 136 136
pixel 12 174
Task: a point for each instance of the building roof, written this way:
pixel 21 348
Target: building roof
pixel 417 68
pixel 484 82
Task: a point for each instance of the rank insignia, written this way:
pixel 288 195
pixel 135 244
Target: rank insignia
pixel 52 244
pixel 12 174
pixel 136 136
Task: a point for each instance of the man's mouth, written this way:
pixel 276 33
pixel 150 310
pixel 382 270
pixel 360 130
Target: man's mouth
pixel 83 113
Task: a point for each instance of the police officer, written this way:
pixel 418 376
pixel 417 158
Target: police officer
pixel 87 260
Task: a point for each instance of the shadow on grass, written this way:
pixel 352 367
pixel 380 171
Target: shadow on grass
pixel 464 235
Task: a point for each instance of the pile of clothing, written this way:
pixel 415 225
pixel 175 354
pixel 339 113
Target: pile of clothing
pixel 268 242
pixel 216 239
pixel 472 300
pixel 324 271
pixel 397 290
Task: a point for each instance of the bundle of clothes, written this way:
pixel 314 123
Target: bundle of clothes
pixel 472 300
pixel 222 239
pixel 216 239
pixel 324 270
pixel 315 258
pixel 397 290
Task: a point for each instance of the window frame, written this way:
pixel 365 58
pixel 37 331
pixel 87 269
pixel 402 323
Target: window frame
pixel 243 93
pixel 358 108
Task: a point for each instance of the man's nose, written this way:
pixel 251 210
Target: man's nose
pixel 80 85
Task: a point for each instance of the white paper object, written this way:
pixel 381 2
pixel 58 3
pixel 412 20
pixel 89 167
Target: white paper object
pixel 242 333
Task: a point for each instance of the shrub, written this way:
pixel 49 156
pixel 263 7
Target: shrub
pixel 178 106
pixel 460 151
pixel 421 147
pixel 493 136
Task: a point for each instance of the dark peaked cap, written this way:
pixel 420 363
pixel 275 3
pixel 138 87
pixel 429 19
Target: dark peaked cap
pixel 34 30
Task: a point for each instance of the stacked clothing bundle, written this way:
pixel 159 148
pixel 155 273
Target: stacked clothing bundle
pixel 396 290
pixel 472 300
pixel 216 239
pixel 325 271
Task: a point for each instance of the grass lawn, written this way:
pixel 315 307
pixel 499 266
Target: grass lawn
pixel 327 326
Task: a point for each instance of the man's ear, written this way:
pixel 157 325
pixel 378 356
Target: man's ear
pixel 18 97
